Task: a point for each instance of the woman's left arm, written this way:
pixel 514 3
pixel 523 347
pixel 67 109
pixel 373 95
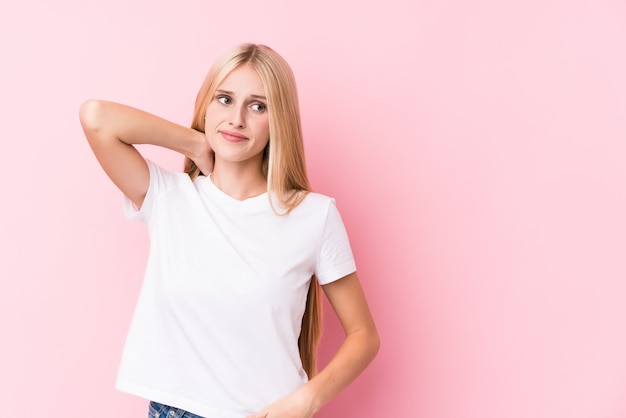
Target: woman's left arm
pixel 355 354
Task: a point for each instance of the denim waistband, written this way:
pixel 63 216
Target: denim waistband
pixel 158 410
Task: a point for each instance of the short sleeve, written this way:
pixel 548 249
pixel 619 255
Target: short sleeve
pixel 157 182
pixel 335 259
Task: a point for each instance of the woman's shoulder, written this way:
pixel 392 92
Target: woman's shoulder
pixel 166 173
pixel 164 179
pixel 317 202
pixel 318 198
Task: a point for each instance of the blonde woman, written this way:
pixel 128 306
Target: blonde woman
pixel 227 322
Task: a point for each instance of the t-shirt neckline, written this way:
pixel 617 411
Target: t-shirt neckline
pixel 254 201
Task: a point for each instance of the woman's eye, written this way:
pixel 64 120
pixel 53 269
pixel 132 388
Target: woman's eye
pixel 224 99
pixel 258 107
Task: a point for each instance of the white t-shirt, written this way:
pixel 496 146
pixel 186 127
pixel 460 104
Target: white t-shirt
pixel 216 326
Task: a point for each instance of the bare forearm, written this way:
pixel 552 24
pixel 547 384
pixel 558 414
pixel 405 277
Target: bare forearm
pixel 110 121
pixel 354 355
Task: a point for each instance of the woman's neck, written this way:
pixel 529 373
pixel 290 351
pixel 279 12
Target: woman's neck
pixel 239 181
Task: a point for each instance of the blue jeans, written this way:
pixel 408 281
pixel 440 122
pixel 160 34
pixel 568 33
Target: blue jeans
pixel 157 410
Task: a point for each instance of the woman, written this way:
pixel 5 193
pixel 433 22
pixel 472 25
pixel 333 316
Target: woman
pixel 227 321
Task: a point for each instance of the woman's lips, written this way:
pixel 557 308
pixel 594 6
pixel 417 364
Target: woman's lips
pixel 233 136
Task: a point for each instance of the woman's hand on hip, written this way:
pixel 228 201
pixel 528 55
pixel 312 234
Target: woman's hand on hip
pixel 298 404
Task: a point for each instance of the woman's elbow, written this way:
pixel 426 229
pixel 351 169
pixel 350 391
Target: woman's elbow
pixel 374 342
pixel 90 114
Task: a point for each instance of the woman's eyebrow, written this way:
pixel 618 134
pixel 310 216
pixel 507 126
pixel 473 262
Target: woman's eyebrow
pixel 230 93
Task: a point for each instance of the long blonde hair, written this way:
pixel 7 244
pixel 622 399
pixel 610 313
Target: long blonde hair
pixel 283 163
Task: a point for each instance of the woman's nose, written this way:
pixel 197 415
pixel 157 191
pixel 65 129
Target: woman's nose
pixel 237 117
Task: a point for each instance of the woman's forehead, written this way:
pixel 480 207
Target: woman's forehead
pixel 243 80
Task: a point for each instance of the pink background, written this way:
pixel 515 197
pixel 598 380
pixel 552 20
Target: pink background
pixel 477 150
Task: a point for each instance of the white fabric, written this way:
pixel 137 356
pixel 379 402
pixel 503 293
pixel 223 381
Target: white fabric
pixel 216 325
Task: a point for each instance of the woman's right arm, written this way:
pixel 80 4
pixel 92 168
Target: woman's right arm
pixel 112 129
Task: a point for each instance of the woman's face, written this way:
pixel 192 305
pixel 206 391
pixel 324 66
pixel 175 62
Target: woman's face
pixel 237 120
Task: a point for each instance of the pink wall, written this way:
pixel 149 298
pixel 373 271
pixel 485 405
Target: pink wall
pixel 477 151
